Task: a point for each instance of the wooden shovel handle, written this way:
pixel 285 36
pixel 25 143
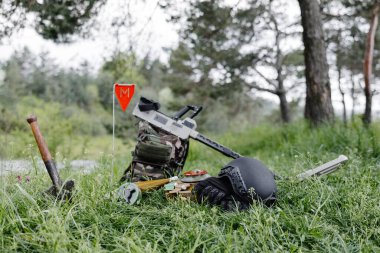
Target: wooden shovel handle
pixel 45 154
pixel 152 184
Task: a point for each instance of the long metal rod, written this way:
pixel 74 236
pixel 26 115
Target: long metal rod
pixel 113 129
pixel 324 169
pixel 216 146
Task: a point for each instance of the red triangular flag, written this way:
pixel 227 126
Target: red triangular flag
pixel 124 94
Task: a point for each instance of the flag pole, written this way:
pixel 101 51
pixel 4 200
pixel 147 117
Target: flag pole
pixel 124 97
pixel 113 130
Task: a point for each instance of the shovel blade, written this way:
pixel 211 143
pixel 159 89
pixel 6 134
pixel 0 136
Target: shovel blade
pixel 63 193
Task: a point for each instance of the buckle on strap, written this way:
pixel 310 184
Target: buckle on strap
pixel 235 178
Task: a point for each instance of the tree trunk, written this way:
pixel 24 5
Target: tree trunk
pixel 318 106
pixel 343 95
pixel 281 93
pixel 367 117
pixel 353 97
pixel 284 107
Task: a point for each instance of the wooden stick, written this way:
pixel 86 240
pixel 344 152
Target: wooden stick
pixel 153 184
pixel 45 154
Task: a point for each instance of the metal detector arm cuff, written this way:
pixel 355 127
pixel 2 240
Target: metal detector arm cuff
pixel 148 105
pixel 181 112
pixel 184 110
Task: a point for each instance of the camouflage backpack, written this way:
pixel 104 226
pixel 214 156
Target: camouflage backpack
pixel 157 155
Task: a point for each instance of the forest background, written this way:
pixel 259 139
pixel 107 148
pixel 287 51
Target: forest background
pixel 242 60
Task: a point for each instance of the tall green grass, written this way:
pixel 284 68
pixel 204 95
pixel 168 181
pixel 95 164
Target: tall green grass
pixel 336 213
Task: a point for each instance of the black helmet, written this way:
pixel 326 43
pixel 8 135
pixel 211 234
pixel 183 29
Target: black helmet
pixel 250 180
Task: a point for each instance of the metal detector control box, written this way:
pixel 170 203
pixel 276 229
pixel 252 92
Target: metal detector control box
pixel 179 128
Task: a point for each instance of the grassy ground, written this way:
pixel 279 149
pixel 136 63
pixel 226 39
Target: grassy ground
pixel 336 213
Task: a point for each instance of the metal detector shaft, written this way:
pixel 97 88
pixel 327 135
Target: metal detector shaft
pixel 218 147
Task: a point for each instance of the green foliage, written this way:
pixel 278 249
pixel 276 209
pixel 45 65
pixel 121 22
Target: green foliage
pixel 218 38
pixel 59 124
pixel 67 102
pixel 361 7
pixel 27 74
pixel 294 58
pixel 334 213
pixel 81 102
pixel 55 20
pixel 231 107
pixel 348 38
pixel 221 52
pixel 121 68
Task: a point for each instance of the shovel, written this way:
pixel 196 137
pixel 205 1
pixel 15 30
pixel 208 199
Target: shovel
pixel 59 189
